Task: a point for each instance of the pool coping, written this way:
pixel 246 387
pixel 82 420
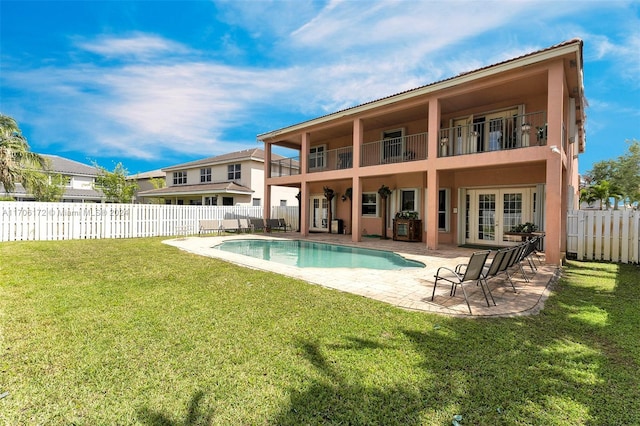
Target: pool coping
pixel 409 288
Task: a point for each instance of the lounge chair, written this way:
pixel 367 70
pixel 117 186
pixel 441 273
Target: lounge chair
pixel 465 273
pixel 209 225
pixel 244 224
pixel 257 225
pixel 230 225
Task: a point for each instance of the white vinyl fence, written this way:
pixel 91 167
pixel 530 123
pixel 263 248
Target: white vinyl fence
pixel 66 221
pixel 611 235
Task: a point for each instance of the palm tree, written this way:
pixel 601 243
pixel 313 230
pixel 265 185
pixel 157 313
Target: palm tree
pixel 16 159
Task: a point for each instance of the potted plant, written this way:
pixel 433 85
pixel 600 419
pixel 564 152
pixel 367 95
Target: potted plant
pixel 384 193
pixel 525 228
pixel 329 194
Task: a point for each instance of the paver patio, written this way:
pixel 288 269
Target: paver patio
pixel 407 288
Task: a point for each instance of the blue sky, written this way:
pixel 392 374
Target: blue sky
pixel 156 83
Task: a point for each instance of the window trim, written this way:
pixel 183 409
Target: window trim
pixel 377 204
pixel 205 175
pixel 180 177
pixel 315 154
pixel 447 209
pixel 236 171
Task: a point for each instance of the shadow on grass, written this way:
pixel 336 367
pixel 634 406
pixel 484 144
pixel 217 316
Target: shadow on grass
pixel 194 417
pixel 332 400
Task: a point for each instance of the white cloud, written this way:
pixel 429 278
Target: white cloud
pixel 137 45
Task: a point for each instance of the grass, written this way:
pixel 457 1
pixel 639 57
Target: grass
pixel 137 332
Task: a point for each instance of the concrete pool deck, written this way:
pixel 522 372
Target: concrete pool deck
pixel 407 288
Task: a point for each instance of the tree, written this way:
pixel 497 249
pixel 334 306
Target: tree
pixel 329 194
pixel 157 183
pixel 114 184
pixel 16 158
pixel 622 175
pixel 47 187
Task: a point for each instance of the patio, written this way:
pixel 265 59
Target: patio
pixel 408 289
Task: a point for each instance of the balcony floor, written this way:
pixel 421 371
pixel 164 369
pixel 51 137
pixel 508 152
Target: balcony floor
pixel 408 289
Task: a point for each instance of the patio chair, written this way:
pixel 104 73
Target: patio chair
pixel 465 273
pixel 272 224
pixel 282 224
pixel 257 225
pixel 230 225
pixel 498 263
pixel 244 225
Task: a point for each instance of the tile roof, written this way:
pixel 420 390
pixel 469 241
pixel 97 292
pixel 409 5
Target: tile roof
pixel 69 167
pixel 256 154
pixel 418 89
pixel 220 187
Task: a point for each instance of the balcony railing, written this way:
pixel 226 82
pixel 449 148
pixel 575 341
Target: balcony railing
pixel 394 150
pixel 285 167
pixel 333 159
pixel 498 134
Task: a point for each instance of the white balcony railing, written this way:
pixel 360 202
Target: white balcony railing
pixel 333 159
pixel 518 131
pixel 285 167
pixel 394 150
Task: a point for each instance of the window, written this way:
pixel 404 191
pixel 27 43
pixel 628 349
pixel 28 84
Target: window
pixel 256 202
pixel 227 201
pixel 233 172
pixel 211 201
pixel 392 145
pixel 179 178
pixel 316 156
pixel 283 203
pixel 205 175
pixel 369 204
pixel 408 199
pixel 443 210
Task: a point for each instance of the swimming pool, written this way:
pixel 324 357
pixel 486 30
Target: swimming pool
pixel 308 254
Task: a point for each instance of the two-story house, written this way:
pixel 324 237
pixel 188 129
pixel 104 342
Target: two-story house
pixel 80 180
pixel 224 180
pixel 474 155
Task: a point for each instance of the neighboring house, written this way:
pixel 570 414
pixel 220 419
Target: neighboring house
pixel 225 180
pixel 473 155
pixel 80 181
pixel 144 181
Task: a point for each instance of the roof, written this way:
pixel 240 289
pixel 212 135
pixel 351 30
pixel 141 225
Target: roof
pixel 432 87
pixel 208 188
pixel 69 167
pixel 255 154
pixel 158 173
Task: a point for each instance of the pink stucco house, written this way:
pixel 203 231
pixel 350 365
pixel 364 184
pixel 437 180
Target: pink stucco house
pixel 474 155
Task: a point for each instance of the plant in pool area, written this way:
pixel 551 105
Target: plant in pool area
pixel 329 194
pixel 525 228
pixel 384 193
pixel 407 214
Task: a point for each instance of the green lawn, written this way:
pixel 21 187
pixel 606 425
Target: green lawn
pixel 136 332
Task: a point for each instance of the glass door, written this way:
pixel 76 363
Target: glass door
pixel 493 212
pixel 318 214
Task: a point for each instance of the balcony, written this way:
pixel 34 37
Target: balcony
pixel 518 131
pixel 394 150
pixel 332 159
pixel 285 167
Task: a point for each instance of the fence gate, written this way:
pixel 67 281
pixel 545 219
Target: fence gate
pixel 610 235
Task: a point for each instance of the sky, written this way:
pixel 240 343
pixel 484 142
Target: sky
pixel 152 84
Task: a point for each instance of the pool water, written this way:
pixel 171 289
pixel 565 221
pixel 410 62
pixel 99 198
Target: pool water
pixel 307 254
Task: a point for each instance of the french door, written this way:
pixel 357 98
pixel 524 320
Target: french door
pixel 318 213
pixel 490 213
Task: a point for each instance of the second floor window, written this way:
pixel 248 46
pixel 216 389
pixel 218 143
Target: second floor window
pixel 233 172
pixel 316 157
pixel 205 175
pixel 179 178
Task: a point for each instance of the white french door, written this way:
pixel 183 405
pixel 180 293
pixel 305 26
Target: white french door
pixel 318 213
pixel 490 213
